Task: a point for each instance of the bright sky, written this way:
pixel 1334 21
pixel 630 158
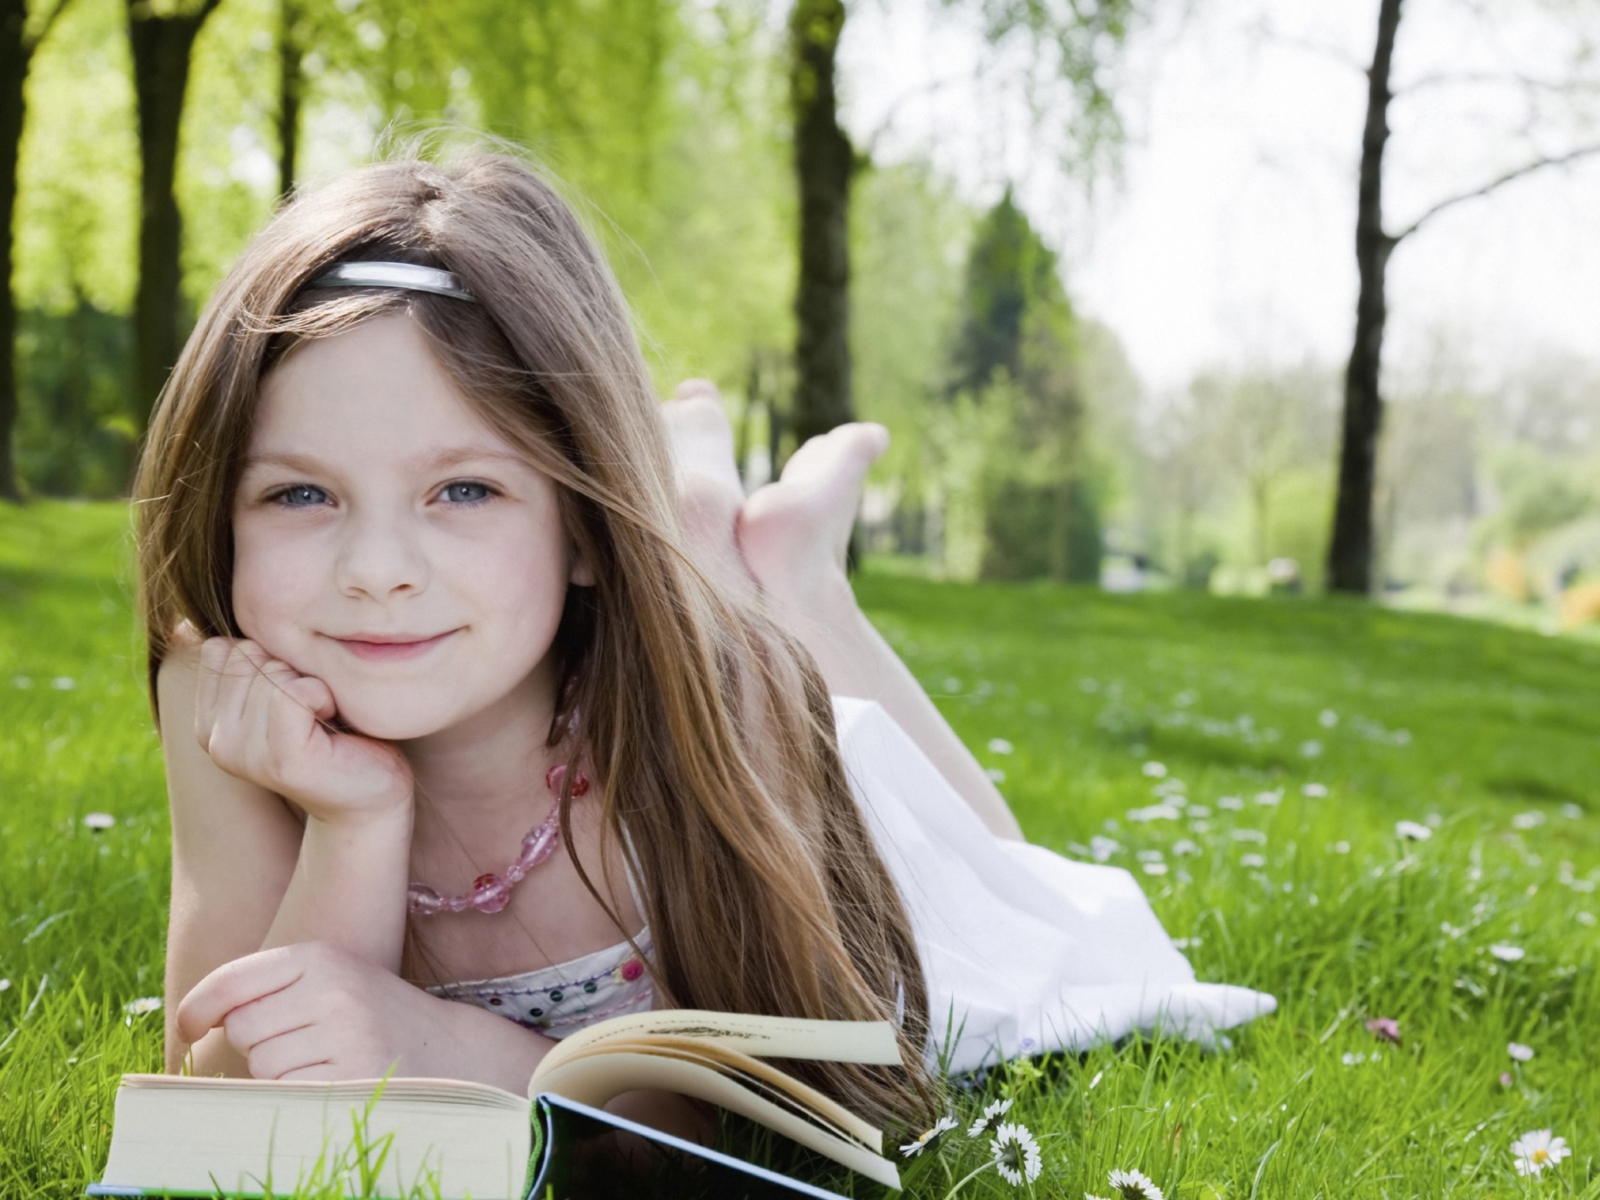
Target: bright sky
pixel 1230 236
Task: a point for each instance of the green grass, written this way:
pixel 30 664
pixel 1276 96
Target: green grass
pixel 1460 725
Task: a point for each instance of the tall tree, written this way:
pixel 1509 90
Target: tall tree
pixel 162 42
pixel 1075 39
pixel 291 86
pixel 1015 350
pixel 1350 549
pixel 19 38
pixel 824 162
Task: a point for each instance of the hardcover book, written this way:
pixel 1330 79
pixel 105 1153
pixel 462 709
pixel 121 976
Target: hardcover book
pixel 394 1138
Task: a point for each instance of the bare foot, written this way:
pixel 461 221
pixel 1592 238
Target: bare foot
pixel 709 492
pixel 794 534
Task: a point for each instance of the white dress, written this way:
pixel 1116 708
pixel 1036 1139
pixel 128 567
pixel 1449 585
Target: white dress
pixel 1024 951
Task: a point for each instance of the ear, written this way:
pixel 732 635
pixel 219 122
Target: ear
pixel 581 573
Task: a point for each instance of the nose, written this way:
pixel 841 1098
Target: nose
pixel 380 556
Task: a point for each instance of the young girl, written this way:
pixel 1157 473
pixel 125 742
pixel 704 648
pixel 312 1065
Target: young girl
pixel 491 708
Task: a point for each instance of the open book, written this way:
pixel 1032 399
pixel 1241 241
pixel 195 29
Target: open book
pixel 180 1135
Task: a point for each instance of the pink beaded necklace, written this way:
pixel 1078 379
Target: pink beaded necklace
pixel 490 892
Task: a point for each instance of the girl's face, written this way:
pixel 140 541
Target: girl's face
pixel 392 545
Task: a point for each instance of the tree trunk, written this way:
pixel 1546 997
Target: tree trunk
pixel 289 89
pixel 161 48
pixel 14 55
pixel 824 163
pixel 1350 552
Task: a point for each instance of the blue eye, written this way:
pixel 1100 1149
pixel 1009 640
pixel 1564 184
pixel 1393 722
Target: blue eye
pixel 466 492
pixel 302 495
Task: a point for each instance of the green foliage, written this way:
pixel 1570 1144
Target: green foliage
pixel 1434 718
pixel 909 247
pixel 1539 494
pixel 73 435
pixel 1016 355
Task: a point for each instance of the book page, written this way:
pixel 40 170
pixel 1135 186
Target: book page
pixel 818 1106
pixel 596 1079
pixel 871 1042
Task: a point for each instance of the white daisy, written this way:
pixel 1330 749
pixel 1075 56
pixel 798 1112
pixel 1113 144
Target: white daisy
pixel 929 1137
pixel 1102 848
pixel 1231 803
pixel 1155 770
pixel 997 1108
pixel 1252 860
pixel 1412 831
pixel 99 820
pixel 1134 1185
pixel 145 1004
pixel 1507 953
pixel 1016 1154
pixel 1528 820
pixel 1536 1150
pixel 1000 746
pixel 1314 791
pixel 1519 1052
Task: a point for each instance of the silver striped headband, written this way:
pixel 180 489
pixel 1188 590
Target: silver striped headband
pixel 409 276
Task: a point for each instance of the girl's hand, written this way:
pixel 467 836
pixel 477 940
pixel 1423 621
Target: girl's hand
pixel 261 720
pixel 310 1011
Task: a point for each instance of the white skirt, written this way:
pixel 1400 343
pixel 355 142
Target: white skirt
pixel 1024 951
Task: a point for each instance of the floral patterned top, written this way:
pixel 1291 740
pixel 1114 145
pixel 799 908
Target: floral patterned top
pixel 566 997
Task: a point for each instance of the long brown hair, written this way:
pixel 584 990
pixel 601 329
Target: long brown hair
pixel 709 731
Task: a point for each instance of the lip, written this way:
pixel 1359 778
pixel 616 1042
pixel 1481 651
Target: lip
pixel 391 647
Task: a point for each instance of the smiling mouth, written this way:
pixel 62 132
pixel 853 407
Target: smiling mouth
pixel 380 647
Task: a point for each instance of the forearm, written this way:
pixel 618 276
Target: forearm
pixel 856 661
pixel 349 888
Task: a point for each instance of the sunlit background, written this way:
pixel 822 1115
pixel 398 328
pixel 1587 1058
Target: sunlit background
pixel 1179 423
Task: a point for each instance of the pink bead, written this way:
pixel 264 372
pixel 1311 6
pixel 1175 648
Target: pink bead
pixel 423 901
pixel 554 776
pixel 632 969
pixel 537 846
pixel 492 897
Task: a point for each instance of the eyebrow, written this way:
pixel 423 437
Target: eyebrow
pixel 443 460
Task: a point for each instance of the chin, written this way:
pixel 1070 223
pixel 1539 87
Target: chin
pixel 393 714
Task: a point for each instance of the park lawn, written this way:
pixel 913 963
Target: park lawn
pixel 1307 728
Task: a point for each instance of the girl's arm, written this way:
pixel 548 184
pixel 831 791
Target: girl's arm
pixel 246 875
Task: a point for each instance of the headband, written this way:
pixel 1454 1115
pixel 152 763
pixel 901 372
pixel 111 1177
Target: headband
pixel 408 276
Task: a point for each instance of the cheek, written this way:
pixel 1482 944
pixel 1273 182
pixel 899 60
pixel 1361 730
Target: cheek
pixel 274 580
pixel 519 591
